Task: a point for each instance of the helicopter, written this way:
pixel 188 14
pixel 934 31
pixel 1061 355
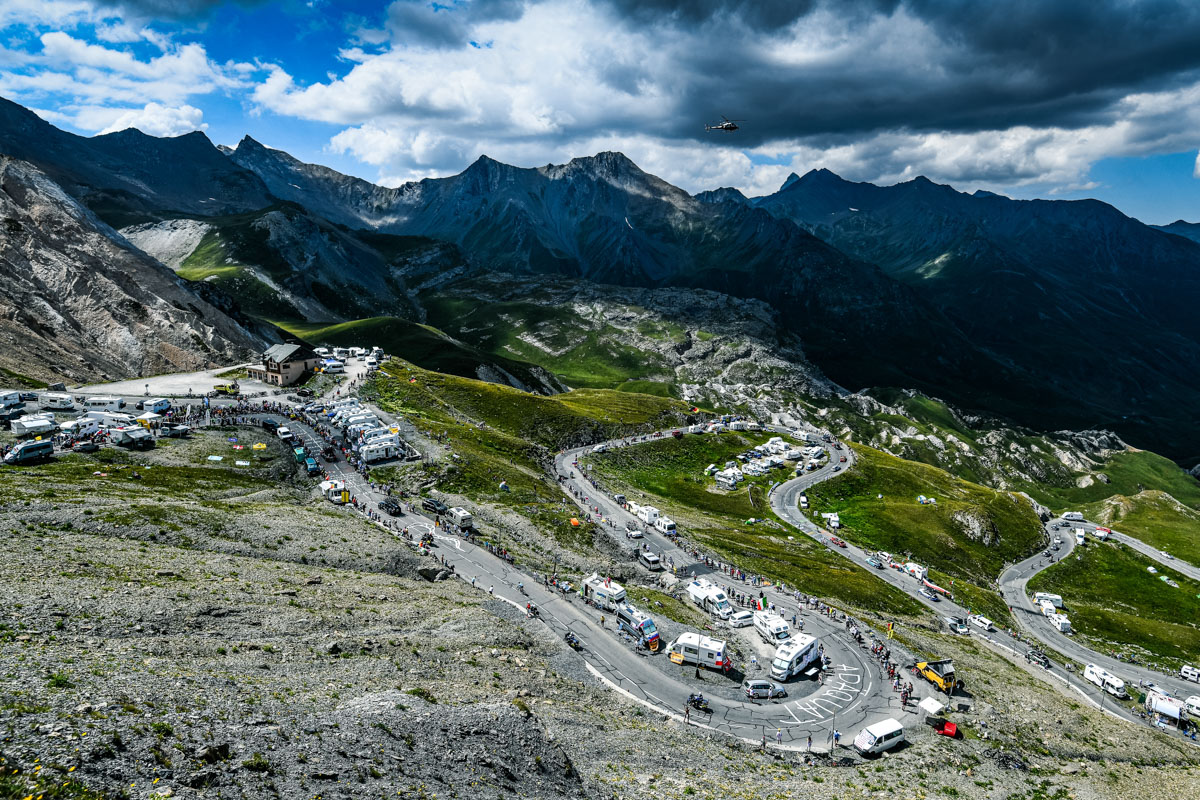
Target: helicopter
pixel 728 125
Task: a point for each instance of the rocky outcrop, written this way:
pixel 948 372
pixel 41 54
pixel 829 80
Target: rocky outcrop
pixel 78 303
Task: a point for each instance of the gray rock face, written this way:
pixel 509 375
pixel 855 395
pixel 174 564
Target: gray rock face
pixel 83 304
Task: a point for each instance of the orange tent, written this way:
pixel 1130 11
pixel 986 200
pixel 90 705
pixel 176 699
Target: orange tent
pixel 574 522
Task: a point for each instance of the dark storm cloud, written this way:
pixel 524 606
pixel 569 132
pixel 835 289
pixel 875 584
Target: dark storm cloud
pixel 448 23
pixel 969 66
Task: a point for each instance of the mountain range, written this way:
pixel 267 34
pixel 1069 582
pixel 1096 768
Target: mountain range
pixel 1053 313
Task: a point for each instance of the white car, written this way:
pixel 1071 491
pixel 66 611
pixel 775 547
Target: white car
pixel 633 533
pixel 285 434
pixel 1167 555
pixel 741 619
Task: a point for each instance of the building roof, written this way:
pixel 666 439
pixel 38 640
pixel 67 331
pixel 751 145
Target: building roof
pixel 282 353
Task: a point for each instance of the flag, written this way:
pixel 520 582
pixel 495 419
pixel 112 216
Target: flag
pixel 695 409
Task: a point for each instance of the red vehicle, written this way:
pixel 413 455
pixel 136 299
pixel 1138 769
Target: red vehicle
pixel 843 459
pixel 837 541
pixel 677 434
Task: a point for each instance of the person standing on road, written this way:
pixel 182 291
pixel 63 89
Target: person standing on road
pixel 837 737
pixel 809 743
pixel 779 736
pixel 687 714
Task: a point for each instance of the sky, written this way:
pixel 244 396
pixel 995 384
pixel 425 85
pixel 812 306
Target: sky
pixel 1029 98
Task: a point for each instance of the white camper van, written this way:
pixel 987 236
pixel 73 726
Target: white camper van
pixel 1080 536
pixel 773 628
pixel 1061 622
pixel 710 597
pixel 378 452
pixel 10 400
pixel 664 525
pixel 874 739
pixel 794 657
pixel 461 517
pixel 693 648
pixel 56 401
pixel 1105 680
pixel 156 406
pixel 1074 516
pixel 34 425
pixel 981 622
pixel 1189 673
pixel 650 561
pixel 84 426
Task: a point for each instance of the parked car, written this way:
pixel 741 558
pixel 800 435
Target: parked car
pixel 741 619
pixel 633 533
pixel 391 506
pixel 29 397
pixel 928 595
pixel 761 689
pixel 875 562
pixel 837 468
pixel 1037 657
pixel 835 540
pixel 957 625
pixel 85 447
pixel 434 506
pixel 270 424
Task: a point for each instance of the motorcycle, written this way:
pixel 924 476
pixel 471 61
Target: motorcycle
pixel 572 640
pixel 700 703
pixel 533 612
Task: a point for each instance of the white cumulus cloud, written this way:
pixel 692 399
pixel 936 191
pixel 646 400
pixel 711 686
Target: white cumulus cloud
pixel 159 120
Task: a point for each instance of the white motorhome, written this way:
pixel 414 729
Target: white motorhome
pixel 83 426
pixel 795 657
pixel 323 352
pixel 377 433
pixel 10 400
pixel 693 648
pixel 1047 608
pixel 108 419
pixel 134 436
pixel 773 628
pixel 1102 534
pixel 638 623
pixel 604 592
pixel 696 429
pixel 34 425
pixel 341 352
pixel 1193 706
pixel 1061 622
pixel 981 622
pixel 1074 516
pixel 1080 536
pixel 100 403
pixel 378 452
pixel 1169 707
pixel 916 570
pixel 1105 680
pixel 647 514
pixel 1189 673
pixel 461 517
pixel 874 739
pixel 335 492
pixel 1045 597
pixel 710 597
pixel 664 525
pixel 156 406
pixel 56 401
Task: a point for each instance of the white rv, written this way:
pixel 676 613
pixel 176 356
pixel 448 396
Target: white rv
pixel 795 657
pixel 100 403
pixel 10 400
pixel 1045 597
pixel 1102 534
pixel 710 597
pixel 1105 680
pixel 916 570
pixel 1074 516
pixel 34 425
pixel 664 525
pixel 1061 622
pixel 981 622
pixel 773 628
pixel 461 517
pixel 693 648
pixel 1189 673
pixel 108 419
pixel 604 592
pixel 83 426
pixel 56 401
pixel 378 452
pixel 156 406
pixel 647 514
pixel 1080 536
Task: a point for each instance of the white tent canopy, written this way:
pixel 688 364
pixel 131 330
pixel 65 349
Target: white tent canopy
pixel 931 706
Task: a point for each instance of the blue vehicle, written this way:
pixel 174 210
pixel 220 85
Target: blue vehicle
pixel 311 465
pixel 875 562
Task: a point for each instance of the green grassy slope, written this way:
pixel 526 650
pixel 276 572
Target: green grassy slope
pixel 668 474
pixel 1158 519
pixel 212 262
pixel 423 345
pixel 572 348
pixel 1113 601
pixel 502 434
pixel 969 534
pixel 1128 473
